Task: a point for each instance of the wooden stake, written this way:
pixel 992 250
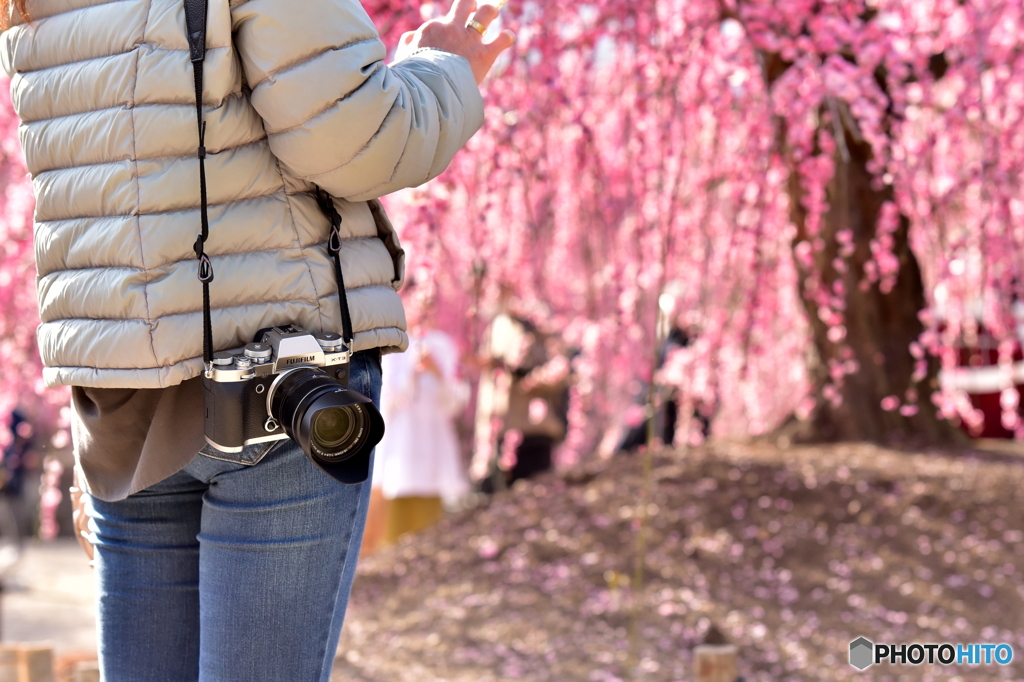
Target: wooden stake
pixel 26 663
pixel 716 663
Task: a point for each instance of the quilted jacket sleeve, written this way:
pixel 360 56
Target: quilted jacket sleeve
pixel 335 113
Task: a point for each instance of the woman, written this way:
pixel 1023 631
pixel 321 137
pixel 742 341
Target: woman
pixel 417 465
pixel 219 566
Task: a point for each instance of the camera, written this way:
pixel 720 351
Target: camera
pixel 290 383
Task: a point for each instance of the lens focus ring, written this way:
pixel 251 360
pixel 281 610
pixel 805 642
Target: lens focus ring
pixel 301 401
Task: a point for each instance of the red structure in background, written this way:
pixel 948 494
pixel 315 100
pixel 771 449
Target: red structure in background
pixel 978 374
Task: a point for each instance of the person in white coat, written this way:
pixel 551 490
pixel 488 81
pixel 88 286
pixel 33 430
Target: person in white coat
pixel 418 466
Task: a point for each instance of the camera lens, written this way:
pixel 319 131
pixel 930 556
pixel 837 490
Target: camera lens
pixel 336 426
pixel 338 429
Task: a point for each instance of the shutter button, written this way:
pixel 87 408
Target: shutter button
pixel 223 358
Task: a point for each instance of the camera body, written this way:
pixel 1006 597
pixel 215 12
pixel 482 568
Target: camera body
pixel 238 386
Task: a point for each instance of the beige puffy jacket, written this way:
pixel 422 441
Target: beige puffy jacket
pixel 296 94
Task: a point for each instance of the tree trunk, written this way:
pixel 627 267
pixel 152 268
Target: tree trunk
pixel 880 327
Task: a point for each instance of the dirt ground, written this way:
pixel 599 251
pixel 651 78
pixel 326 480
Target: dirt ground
pixel 788 553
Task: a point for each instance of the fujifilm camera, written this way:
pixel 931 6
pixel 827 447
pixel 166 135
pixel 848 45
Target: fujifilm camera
pixel 290 383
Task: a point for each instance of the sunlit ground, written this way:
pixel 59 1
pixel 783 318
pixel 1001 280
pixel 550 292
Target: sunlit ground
pixel 790 554
pixel 49 596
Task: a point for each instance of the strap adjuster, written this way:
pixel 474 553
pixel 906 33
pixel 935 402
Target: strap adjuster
pixel 205 269
pixel 334 241
pixel 197 45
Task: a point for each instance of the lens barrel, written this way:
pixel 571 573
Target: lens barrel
pixel 335 426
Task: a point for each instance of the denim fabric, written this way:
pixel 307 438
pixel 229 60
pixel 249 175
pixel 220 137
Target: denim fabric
pixel 237 568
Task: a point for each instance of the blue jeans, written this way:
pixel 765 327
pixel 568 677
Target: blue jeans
pixel 238 567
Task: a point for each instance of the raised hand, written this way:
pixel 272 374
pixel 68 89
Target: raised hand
pixel 460 32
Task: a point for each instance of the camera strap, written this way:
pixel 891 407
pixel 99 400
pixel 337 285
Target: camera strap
pixel 195 24
pixel 334 249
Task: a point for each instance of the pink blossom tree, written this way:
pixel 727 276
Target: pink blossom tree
pixel 802 177
pixel 21 376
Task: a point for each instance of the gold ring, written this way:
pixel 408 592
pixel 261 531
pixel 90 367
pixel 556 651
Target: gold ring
pixel 474 24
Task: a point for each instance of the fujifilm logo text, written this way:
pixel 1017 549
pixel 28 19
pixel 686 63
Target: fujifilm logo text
pixel 295 361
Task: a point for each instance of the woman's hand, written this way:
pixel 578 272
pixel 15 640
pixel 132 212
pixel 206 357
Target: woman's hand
pixel 80 519
pixel 451 34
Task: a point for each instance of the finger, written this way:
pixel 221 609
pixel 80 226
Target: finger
pixel 86 545
pixel 407 37
pixel 461 11
pixel 501 42
pixel 486 14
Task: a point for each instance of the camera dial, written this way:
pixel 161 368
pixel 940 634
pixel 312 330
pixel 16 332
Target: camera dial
pixel 258 352
pixel 330 342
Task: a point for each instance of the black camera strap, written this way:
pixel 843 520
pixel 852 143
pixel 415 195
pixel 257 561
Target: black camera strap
pixel 334 249
pixel 195 24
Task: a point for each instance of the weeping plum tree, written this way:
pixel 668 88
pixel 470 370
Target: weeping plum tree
pixel 814 181
pixel 865 337
pixel 611 170
pixel 829 191
pixel 899 126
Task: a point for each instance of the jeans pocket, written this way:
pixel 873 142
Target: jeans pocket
pixel 249 454
pixel 365 374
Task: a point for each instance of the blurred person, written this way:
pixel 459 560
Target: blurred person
pixel 418 467
pixel 522 403
pixel 15 519
pixel 673 333
pixel 16 455
pixel 665 420
pixel 214 565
